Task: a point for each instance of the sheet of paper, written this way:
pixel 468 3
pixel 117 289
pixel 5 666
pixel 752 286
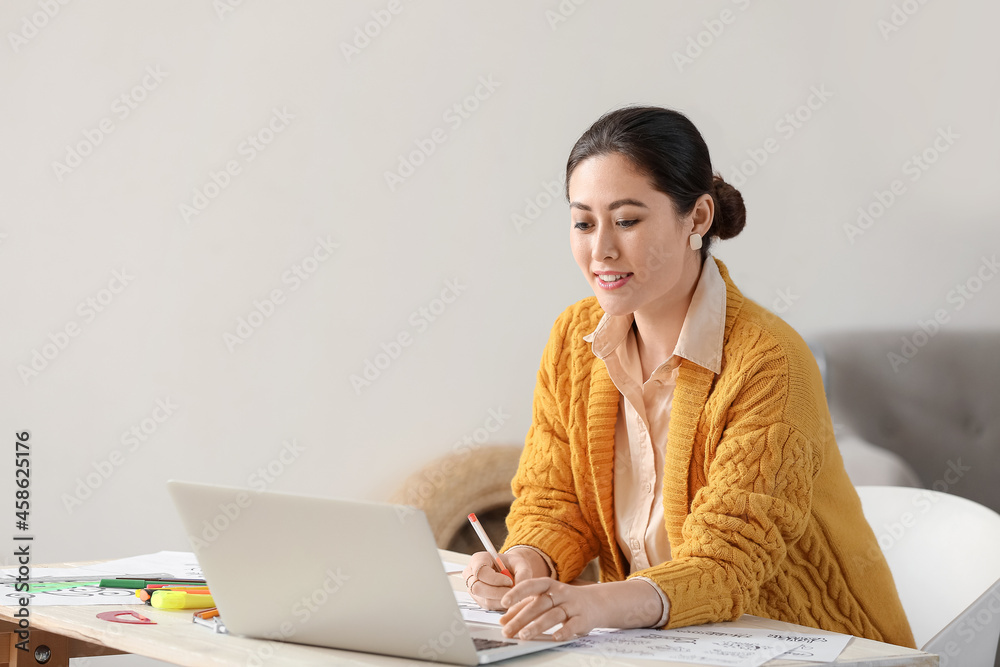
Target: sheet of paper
pixel 715 644
pixel 732 648
pixel 178 564
pixel 67 594
pixel 816 646
pixel 450 567
pixel 78 585
pixel 471 611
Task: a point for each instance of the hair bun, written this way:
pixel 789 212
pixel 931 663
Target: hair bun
pixel 731 213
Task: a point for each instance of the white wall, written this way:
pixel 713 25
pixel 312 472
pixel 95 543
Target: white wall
pixel 162 336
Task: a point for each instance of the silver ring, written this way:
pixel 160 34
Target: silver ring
pixel 554 605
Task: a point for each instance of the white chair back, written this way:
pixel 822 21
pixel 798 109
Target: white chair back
pixel 944 553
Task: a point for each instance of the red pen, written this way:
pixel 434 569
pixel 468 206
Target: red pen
pixel 489 545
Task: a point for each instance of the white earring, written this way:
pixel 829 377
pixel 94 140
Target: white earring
pixel 695 241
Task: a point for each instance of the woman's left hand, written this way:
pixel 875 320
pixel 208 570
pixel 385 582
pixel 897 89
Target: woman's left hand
pixel 536 605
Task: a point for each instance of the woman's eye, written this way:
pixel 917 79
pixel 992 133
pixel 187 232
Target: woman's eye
pixel 582 226
pixel 627 223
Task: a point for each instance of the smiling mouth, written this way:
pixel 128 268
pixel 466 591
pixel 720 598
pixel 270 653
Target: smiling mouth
pixel 612 280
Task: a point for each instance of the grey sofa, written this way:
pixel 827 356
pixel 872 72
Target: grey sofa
pixel 936 405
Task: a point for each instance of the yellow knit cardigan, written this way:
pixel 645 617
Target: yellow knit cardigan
pixel 761 516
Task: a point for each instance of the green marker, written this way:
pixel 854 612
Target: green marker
pixel 143 583
pixel 49 586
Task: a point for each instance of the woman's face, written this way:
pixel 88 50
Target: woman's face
pixel 632 247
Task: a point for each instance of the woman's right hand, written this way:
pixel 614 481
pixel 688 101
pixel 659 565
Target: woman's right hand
pixel 488 586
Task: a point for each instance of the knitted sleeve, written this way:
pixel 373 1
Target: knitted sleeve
pixel 755 503
pixel 546 513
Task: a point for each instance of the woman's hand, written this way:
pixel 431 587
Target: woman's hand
pixel 488 586
pixel 537 605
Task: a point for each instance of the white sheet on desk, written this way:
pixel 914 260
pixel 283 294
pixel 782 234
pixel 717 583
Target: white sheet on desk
pixel 175 564
pixel 68 597
pixel 471 611
pixel 714 644
pixel 178 564
pixel 818 646
pixel 734 648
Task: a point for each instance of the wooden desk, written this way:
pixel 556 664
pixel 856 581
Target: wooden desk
pixel 72 632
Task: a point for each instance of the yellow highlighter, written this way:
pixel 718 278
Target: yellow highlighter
pixel 181 600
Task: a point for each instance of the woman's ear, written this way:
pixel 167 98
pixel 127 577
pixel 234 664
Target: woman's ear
pixel 702 214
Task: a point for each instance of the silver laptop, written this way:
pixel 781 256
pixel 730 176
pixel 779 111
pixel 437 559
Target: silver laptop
pixel 343 574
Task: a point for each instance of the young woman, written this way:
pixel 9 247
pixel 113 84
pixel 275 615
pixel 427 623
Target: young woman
pixel 680 432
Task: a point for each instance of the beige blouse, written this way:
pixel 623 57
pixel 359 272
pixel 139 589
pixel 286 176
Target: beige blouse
pixel 644 414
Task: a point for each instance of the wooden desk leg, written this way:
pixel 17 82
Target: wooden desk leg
pixel 44 648
pixel 58 648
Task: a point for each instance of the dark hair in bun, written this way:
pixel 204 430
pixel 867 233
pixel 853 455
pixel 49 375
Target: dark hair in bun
pixel 667 146
pixel 730 213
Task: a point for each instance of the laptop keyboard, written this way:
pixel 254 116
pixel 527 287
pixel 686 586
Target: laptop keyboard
pixel 482 643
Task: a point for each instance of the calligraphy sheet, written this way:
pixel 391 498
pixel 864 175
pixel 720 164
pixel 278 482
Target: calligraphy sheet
pixel 79 585
pixel 724 644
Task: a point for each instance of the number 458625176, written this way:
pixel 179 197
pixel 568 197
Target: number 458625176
pixel 22 479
